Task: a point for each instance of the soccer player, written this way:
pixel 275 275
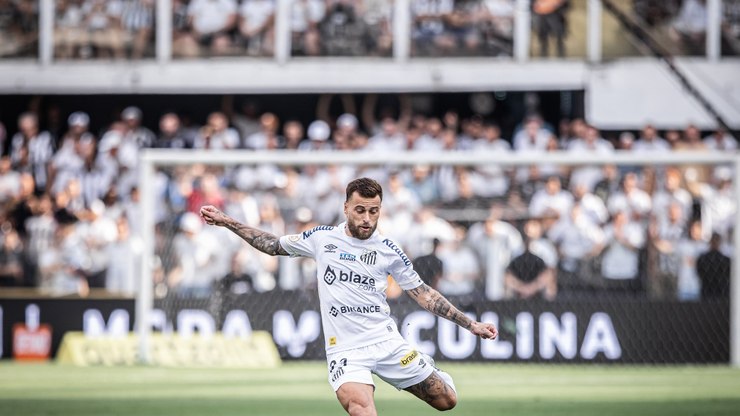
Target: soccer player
pixel 353 262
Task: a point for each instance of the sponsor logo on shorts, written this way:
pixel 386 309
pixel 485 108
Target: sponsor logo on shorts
pixel 369 257
pixel 346 257
pixel 336 369
pixel 330 248
pixel 408 358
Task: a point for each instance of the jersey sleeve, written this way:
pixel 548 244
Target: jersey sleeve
pixel 297 245
pixel 402 269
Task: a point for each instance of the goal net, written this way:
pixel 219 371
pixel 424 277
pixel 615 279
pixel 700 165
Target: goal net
pixel 575 257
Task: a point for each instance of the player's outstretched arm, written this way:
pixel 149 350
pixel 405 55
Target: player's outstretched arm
pixel 262 241
pixel 437 304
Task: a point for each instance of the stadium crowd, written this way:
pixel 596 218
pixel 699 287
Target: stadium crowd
pixel 70 213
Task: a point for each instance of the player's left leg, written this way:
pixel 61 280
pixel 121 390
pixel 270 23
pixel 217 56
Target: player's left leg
pixel 435 391
pixel 408 369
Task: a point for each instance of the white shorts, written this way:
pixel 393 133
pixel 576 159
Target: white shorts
pixel 393 360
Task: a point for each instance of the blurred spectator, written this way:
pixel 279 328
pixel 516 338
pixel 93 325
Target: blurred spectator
pixel 650 141
pixel 267 136
pixel 103 24
pixel 137 21
pixel 304 25
pixel 713 269
pixel 293 132
pixel 620 260
pixel 389 138
pixel 18 28
pixel 690 26
pixel 429 34
pixel 498 30
pixel 533 272
pixel 579 241
pixel 377 17
pixel 672 192
pixel 211 22
pixel 125 254
pixel 217 134
pixel 430 266
pixel 171 134
pixel 460 265
pixel 426 227
pixel 67 161
pixel 318 134
pixel 665 233
pixel 343 32
pixel 631 199
pixel 717 201
pixel 9 181
pixel 256 26
pixel 422 184
pixel 69 31
pixel 720 140
pixel 688 249
pixel 496 242
pixel 37 144
pixel 592 206
pixel 194 257
pixel 551 202
pixel 549 20
pixel 11 258
pixel 591 143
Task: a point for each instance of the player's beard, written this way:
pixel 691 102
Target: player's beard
pixel 358 232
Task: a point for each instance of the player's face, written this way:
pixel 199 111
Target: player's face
pixel 362 215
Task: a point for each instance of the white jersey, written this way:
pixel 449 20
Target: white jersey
pixel 352 277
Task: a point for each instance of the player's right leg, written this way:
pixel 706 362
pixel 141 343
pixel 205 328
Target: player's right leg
pixel 357 399
pixel 352 380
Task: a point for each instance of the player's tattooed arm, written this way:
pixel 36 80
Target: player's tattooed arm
pixel 437 304
pixel 261 240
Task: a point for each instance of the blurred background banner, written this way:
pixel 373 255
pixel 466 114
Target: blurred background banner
pixel 611 330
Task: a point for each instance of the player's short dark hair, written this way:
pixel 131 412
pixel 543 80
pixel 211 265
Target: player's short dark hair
pixel 365 187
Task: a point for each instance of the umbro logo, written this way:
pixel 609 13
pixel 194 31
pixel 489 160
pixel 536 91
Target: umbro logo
pixel 369 257
pixel 330 248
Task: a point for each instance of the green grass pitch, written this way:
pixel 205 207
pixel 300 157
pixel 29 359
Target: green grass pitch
pixel 302 389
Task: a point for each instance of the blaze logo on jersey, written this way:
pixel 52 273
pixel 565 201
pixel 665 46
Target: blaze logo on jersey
pixel 362 281
pixel 369 257
pixel 329 275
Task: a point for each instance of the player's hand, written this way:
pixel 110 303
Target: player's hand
pixel 484 330
pixel 213 216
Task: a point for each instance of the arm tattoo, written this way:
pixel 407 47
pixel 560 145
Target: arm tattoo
pixel 261 240
pixel 437 304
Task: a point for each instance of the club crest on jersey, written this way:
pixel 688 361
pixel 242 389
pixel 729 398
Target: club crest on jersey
pixel 330 275
pixel 369 257
pixel 330 248
pixel 346 257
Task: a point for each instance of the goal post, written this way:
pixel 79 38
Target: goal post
pixel 153 159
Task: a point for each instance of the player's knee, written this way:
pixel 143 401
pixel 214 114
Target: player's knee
pixel 361 408
pixel 446 402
